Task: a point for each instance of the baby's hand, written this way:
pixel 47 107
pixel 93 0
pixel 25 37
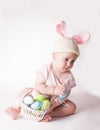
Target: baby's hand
pixel 59 90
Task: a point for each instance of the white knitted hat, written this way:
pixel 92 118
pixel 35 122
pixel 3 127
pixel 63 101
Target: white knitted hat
pixel 67 44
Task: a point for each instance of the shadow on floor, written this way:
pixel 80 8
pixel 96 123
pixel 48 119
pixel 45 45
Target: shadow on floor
pixel 85 100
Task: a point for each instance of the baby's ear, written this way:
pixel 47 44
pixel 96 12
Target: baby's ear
pixel 61 28
pixel 82 38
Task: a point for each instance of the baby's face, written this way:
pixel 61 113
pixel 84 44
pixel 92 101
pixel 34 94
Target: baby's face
pixel 64 60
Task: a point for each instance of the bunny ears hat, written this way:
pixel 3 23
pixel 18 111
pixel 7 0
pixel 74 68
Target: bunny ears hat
pixel 68 44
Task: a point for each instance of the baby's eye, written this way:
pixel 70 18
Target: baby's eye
pixel 73 61
pixel 66 59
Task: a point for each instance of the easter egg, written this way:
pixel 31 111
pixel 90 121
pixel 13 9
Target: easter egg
pixel 39 97
pixel 28 100
pixel 36 105
pixel 46 105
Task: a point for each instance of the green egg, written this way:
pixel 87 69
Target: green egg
pixel 46 105
pixel 39 97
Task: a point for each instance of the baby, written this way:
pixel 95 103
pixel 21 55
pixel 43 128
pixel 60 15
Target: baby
pixel 56 79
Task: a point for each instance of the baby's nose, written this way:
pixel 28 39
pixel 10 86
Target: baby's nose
pixel 68 64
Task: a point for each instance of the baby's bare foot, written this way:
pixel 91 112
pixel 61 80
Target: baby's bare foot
pixel 47 118
pixel 12 112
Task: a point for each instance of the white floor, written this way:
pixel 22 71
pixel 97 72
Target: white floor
pixel 87 116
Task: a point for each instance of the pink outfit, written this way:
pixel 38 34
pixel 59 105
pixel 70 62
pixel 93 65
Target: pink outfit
pixel 50 79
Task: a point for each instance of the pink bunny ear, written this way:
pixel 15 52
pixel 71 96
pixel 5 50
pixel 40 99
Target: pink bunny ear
pixel 61 28
pixel 82 38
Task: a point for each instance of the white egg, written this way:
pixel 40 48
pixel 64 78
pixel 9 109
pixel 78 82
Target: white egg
pixel 28 100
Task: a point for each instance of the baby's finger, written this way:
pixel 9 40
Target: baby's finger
pixel 61 93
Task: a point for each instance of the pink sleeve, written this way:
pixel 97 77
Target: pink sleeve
pixel 42 72
pixel 42 76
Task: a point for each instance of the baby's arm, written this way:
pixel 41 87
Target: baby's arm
pixel 41 86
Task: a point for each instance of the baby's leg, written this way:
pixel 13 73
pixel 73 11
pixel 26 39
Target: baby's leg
pixel 62 110
pixel 15 110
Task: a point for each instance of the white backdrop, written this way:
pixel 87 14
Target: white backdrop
pixel 27 31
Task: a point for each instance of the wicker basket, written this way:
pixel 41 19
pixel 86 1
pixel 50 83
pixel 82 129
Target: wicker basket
pixel 31 114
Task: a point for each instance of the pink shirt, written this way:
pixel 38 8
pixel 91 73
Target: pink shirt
pixel 49 78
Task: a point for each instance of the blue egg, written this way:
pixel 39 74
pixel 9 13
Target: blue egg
pixel 36 105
